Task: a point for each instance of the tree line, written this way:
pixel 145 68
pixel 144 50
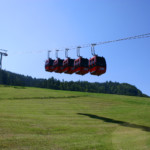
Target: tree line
pixel 9 78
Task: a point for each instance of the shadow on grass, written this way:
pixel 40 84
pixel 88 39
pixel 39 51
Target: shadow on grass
pixel 27 98
pixel 122 123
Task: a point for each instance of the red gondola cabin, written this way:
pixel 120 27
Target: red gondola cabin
pixel 97 65
pixel 49 65
pixel 68 66
pixel 81 66
pixel 58 65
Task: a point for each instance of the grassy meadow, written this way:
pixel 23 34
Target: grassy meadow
pixel 43 119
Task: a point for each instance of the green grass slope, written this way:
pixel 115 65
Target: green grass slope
pixel 42 119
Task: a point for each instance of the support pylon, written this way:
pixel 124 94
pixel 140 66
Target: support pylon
pixel 2 53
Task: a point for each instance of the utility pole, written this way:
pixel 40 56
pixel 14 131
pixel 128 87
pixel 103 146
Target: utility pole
pixel 2 53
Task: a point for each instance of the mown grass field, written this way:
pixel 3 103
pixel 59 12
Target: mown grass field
pixel 42 119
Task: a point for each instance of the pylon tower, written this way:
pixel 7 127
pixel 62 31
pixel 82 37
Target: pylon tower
pixel 2 53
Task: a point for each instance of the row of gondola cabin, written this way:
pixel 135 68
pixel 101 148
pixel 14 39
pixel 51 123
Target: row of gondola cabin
pixel 68 66
pixel 97 65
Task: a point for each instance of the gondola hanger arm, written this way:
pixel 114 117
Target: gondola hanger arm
pixel 78 51
pixel 49 51
pixel 66 52
pixel 93 49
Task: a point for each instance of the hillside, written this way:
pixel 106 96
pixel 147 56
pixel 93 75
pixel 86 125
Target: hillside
pixel 9 78
pixel 41 119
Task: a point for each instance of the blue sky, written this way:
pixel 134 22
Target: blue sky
pixel 29 28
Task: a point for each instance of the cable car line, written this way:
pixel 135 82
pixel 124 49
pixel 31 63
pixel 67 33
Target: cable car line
pixel 111 41
pixel 147 35
pixel 122 39
pixel 128 38
pixel 95 65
